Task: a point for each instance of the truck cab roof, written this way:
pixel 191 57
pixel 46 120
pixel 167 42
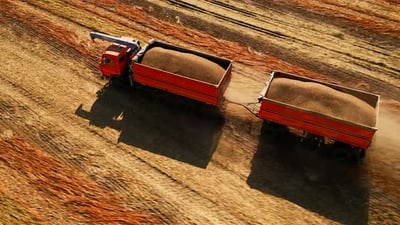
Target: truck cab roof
pixel 116 50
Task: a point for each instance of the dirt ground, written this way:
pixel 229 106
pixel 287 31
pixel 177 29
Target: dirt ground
pixel 74 150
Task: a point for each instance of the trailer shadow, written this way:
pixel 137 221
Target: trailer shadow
pixel 333 188
pixel 158 122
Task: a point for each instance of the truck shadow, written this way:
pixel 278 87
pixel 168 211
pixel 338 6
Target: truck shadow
pixel 333 188
pixel 158 122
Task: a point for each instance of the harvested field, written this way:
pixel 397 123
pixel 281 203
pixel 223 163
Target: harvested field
pixel 73 196
pixel 74 150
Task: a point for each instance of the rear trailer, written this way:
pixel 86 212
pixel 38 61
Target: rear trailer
pixel 180 84
pixel 329 127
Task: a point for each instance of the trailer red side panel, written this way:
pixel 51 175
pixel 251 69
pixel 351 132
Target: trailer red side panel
pixel 340 130
pixel 181 85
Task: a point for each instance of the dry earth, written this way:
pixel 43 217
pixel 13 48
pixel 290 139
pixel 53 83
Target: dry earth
pixel 76 151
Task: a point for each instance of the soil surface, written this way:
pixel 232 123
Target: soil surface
pixel 75 149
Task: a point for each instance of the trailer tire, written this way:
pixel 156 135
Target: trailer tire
pixel 342 150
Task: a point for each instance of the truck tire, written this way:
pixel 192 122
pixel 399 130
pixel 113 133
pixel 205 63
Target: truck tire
pixel 361 153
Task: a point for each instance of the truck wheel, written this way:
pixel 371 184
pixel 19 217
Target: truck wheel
pixel 361 153
pixel 117 81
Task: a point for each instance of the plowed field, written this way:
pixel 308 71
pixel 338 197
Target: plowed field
pixel 74 150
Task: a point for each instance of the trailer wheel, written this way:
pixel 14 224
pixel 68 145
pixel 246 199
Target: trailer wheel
pixel 343 151
pixel 117 81
pixel 356 154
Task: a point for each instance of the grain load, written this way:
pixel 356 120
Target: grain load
pixel 322 99
pixel 184 64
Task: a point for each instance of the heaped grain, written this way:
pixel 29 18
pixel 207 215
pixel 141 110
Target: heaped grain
pixel 322 99
pixel 184 64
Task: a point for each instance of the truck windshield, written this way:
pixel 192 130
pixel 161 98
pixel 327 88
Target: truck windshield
pixel 106 61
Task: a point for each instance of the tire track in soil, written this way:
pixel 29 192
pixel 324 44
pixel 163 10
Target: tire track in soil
pixel 343 13
pixel 391 71
pixel 268 19
pixel 339 74
pixel 362 13
pixel 229 19
pixel 81 12
pixel 67 46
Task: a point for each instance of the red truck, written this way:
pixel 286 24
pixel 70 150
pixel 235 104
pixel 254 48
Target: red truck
pixel 124 56
pixel 326 128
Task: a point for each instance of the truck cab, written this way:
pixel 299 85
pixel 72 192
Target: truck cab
pixel 115 61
